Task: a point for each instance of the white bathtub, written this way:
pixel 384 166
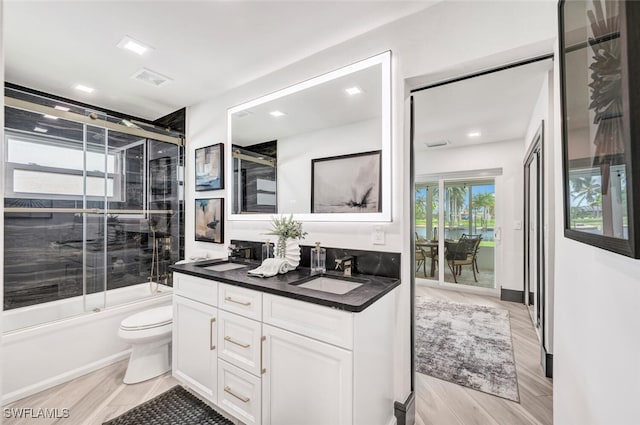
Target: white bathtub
pixel 50 343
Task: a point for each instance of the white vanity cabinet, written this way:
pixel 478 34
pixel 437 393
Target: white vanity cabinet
pixel 195 325
pixel 282 361
pixel 305 381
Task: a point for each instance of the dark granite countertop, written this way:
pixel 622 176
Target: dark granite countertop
pixel 372 288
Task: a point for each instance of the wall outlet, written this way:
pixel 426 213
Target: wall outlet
pixel 377 237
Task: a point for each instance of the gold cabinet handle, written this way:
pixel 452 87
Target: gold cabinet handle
pixel 242 398
pixel 262 369
pixel 233 341
pixel 237 302
pixel 211 345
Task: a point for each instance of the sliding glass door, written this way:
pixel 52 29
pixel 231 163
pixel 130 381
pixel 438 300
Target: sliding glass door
pixel 460 235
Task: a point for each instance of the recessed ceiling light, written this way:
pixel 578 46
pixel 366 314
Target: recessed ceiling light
pixel 353 90
pixel 134 46
pixel 61 108
pixel 84 88
pixel 51 117
pixel 474 134
pixel 276 113
pixel 40 130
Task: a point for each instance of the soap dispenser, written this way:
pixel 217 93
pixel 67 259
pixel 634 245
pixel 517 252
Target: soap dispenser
pixel 318 259
pixel 266 250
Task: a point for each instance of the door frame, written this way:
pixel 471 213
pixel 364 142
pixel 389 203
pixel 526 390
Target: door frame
pixel 535 151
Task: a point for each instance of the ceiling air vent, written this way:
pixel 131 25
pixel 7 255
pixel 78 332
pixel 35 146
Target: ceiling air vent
pixel 242 114
pixel 436 144
pixel 151 77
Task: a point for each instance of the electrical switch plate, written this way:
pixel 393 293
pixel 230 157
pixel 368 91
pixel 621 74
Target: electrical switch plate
pixel 517 225
pixel 377 237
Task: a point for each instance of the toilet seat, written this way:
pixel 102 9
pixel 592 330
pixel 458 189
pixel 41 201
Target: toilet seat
pixel 149 319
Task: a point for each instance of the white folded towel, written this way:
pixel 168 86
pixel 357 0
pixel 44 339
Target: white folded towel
pixel 271 267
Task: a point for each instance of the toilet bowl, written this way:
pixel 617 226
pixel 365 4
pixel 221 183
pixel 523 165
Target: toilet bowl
pixel 149 333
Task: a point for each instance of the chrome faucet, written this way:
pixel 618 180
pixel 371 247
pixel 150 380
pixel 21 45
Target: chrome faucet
pixel 345 264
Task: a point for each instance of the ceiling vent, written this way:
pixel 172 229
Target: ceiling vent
pixel 436 144
pixel 151 77
pixel 242 114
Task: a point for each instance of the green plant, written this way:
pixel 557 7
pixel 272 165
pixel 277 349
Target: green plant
pixel 286 227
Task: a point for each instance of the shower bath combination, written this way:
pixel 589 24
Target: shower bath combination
pixel 90 209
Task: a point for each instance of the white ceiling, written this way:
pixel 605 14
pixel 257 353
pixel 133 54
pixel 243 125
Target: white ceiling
pixel 498 105
pixel 205 47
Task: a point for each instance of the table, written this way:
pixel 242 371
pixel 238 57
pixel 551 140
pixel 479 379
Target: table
pixel 433 251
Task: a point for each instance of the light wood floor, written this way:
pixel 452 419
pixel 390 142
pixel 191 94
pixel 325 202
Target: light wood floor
pixel 92 398
pixel 440 402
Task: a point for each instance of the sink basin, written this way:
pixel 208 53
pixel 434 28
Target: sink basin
pixel 331 285
pixel 223 267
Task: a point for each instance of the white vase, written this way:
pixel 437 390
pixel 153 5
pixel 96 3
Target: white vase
pixel 289 250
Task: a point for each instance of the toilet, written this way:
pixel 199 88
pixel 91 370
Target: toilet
pixel 149 332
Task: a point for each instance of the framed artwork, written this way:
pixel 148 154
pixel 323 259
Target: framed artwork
pixel 347 183
pixel 210 167
pixel 600 97
pixel 209 222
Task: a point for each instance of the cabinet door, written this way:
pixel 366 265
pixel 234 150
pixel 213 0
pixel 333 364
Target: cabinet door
pixel 194 345
pixel 239 341
pixel 305 382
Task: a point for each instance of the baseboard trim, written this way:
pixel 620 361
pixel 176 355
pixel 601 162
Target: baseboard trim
pixel 63 377
pixel 512 295
pixel 547 362
pixel 405 413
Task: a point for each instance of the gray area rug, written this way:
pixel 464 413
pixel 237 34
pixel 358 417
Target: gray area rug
pixel 466 344
pixel 176 406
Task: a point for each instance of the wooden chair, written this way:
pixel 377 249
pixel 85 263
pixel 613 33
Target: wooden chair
pixel 421 260
pixel 463 253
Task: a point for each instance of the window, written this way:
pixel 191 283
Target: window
pixel 51 168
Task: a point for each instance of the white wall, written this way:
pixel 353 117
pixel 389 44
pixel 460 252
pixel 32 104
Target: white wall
pixel 597 324
pixel 508 156
pixel 296 152
pixel 449 36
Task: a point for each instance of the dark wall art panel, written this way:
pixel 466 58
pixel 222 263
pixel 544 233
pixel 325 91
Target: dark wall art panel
pixel 347 183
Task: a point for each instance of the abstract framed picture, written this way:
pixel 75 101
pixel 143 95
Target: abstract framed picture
pixel 209 167
pixel 209 222
pixel 599 64
pixel 347 183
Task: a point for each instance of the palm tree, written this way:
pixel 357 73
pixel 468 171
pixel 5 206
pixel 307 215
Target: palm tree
pixel 456 196
pixel 585 190
pixel 487 202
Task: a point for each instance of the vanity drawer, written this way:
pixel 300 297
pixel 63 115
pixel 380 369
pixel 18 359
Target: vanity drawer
pixel 245 302
pixel 196 288
pixel 315 321
pixel 240 393
pixel 239 341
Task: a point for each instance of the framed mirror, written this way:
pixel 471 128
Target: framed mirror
pixel 275 140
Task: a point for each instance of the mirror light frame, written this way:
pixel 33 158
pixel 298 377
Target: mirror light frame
pixel 383 59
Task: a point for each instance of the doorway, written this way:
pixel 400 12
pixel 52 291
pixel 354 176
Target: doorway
pixel 534 238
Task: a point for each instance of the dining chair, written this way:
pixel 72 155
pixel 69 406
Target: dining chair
pixel 421 260
pixel 463 253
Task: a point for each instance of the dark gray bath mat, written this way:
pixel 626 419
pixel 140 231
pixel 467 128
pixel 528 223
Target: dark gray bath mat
pixel 176 406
